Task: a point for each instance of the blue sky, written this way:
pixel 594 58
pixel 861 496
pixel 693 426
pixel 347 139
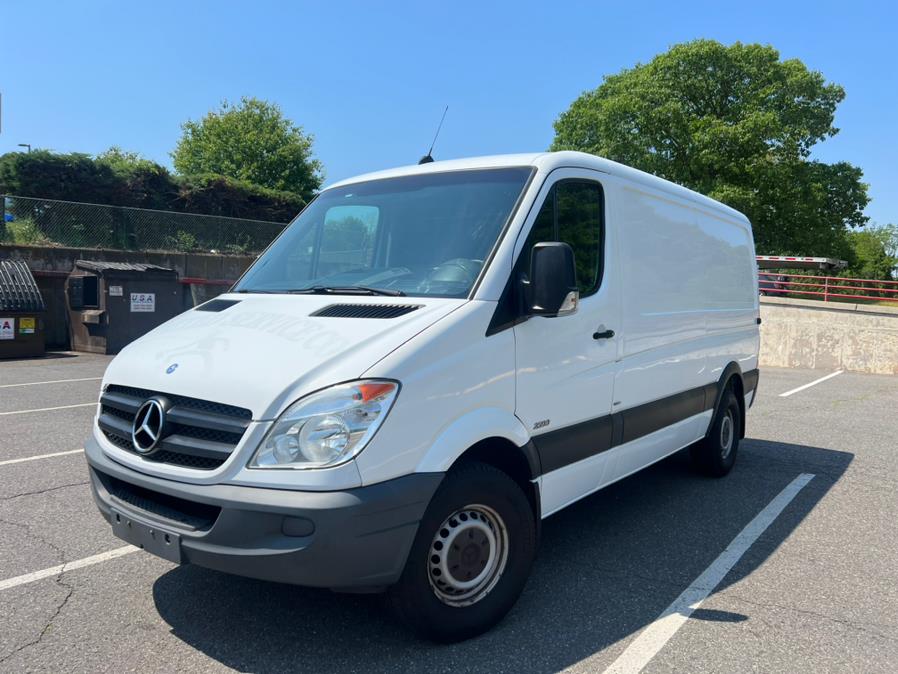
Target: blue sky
pixel 370 80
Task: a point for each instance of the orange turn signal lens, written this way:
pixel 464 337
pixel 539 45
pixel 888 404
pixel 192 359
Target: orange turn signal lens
pixel 375 390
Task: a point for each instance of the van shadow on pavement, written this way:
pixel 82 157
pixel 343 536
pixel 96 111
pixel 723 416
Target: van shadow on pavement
pixel 607 567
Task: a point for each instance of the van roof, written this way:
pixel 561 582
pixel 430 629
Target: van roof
pixel 546 162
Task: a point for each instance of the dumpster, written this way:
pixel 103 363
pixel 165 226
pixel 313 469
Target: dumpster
pixel 22 312
pixel 113 303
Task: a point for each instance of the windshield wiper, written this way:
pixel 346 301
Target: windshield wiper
pixel 347 290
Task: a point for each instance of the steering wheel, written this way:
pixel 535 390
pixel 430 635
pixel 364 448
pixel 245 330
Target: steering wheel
pixel 457 271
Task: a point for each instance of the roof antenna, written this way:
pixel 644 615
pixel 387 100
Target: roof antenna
pixel 426 159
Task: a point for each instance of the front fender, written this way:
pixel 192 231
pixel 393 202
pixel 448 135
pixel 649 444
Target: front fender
pixel 466 431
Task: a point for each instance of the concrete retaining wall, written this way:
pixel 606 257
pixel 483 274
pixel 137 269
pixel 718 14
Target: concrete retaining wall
pixel 829 335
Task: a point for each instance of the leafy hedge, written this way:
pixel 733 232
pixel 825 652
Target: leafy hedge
pixel 119 180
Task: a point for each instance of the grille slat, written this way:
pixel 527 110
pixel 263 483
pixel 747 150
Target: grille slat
pixel 122 403
pixel 198 434
pixel 182 444
pixel 208 420
pixel 365 310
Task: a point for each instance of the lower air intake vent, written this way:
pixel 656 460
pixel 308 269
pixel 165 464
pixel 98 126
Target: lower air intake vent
pixel 366 310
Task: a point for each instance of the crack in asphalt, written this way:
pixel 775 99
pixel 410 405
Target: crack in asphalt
pixel 69 589
pixel 862 626
pixel 43 491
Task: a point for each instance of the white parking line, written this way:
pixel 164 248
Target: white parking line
pixel 813 383
pixel 642 649
pixel 48 409
pixel 8 462
pixel 68 566
pixel 55 381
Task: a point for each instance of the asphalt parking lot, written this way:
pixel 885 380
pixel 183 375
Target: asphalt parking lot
pixel 816 591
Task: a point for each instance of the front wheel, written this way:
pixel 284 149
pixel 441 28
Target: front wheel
pixel 470 558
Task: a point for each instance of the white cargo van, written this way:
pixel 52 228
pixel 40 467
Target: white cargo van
pixel 426 363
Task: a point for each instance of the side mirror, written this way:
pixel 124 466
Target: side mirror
pixel 552 287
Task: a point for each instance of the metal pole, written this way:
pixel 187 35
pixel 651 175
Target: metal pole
pixel 826 288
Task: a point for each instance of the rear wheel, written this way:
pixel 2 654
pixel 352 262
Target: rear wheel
pixel 715 455
pixel 471 556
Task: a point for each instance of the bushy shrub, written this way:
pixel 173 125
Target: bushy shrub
pixel 217 195
pixel 119 178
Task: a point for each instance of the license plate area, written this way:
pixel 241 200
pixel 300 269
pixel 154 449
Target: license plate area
pixel 159 541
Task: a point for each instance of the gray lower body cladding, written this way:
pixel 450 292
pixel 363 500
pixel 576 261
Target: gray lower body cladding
pixel 353 539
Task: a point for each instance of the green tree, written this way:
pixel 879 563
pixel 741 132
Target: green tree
pixel 735 123
pixel 123 161
pixel 251 142
pixel 874 253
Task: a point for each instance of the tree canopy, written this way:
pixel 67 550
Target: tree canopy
pixel 252 142
pixel 874 253
pixel 737 124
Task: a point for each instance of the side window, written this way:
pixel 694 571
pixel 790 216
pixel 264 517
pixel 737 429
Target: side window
pixel 578 207
pixel 572 213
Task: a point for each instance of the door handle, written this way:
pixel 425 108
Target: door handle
pixel 607 334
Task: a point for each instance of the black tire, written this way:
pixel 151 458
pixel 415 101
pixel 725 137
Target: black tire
pixel 481 501
pixel 715 455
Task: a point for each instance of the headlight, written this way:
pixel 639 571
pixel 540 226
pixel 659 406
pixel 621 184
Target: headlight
pixel 328 427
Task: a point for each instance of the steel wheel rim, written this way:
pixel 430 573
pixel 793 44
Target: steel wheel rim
pixel 467 555
pixel 727 434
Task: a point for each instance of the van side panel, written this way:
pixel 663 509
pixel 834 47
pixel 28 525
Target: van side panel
pixel 689 304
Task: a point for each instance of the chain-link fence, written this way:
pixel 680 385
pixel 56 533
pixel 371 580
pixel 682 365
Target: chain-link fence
pixel 46 222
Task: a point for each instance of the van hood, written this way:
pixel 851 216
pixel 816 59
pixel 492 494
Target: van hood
pixel 265 351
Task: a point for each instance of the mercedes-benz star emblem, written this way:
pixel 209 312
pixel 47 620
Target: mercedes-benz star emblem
pixel 147 428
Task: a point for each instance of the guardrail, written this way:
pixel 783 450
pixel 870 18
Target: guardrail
pixel 826 288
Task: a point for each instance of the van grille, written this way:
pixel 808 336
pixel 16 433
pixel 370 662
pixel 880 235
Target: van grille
pixel 198 434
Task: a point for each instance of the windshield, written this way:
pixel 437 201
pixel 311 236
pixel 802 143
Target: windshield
pixel 423 235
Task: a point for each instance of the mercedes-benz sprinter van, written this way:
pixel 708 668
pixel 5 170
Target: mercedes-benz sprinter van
pixel 423 366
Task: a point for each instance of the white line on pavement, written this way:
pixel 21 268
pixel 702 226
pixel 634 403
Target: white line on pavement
pixel 813 383
pixel 7 462
pixel 642 649
pixel 48 409
pixel 55 381
pixel 68 566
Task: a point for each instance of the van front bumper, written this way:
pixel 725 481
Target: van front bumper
pixel 356 539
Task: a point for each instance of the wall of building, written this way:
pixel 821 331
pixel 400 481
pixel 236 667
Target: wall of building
pixel 829 335
pixel 52 265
